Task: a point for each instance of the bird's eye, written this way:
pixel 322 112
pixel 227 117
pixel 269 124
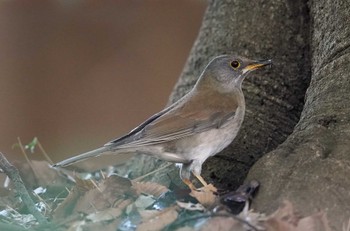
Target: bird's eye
pixel 235 64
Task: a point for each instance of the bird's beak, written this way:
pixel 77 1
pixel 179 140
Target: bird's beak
pixel 257 64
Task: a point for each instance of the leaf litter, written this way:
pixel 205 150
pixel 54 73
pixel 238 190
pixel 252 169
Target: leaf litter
pixel 118 203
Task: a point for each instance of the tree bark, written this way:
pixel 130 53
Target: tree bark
pixel 312 167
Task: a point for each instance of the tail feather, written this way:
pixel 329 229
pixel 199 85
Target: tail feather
pixel 83 156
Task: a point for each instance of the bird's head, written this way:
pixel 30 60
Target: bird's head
pixel 227 72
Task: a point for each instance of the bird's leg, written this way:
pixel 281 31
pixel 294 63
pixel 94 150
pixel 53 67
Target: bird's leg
pixel 200 178
pixel 185 174
pixel 189 184
pixel 196 169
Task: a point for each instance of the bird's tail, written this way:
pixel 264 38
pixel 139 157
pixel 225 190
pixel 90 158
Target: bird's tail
pixel 83 156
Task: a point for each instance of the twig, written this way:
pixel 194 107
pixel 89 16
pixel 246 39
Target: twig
pixel 26 157
pixel 150 173
pixel 44 153
pixel 12 172
pixel 25 154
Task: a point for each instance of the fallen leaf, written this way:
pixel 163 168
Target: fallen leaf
pixel 84 185
pixel 39 173
pixel 316 222
pixel 66 208
pixel 251 217
pixel 285 219
pixel 274 224
pixel 77 226
pixel 286 213
pixel 158 222
pixel 117 185
pixel 148 214
pixel 105 215
pixel 143 202
pixel 105 195
pixel 223 224
pixel 205 195
pixel 149 188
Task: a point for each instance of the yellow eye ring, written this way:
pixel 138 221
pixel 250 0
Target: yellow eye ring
pixel 235 64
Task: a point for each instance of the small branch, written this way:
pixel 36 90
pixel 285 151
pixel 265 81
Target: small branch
pixel 45 153
pixel 25 154
pixel 150 173
pixel 13 173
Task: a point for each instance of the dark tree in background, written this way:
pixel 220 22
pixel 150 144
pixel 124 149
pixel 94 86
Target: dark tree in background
pixel 295 138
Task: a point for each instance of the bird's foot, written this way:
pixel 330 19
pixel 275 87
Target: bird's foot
pixel 189 184
pixel 206 187
pixel 200 178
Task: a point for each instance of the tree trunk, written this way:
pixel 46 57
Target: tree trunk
pixel 312 168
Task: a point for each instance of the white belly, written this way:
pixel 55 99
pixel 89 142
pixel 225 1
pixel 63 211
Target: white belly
pixel 211 142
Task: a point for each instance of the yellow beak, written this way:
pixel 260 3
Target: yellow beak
pixel 257 65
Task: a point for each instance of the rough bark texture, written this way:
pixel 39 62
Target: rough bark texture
pixel 312 167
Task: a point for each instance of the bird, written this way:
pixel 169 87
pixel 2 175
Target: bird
pixel 197 126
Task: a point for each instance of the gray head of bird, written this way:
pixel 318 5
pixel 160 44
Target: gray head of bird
pixel 226 73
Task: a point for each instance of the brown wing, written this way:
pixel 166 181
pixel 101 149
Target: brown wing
pixel 176 122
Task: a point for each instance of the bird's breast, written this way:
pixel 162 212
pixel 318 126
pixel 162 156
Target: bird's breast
pixel 208 143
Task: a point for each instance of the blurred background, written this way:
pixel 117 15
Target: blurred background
pixel 77 74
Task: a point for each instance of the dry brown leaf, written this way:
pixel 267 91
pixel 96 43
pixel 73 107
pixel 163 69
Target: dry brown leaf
pixel 117 185
pixel 76 225
pixel 104 215
pixel 148 214
pixel 122 204
pixel 66 208
pixel 205 195
pixel 96 217
pixel 223 224
pixel 84 185
pixel 286 213
pixel 315 222
pixel 253 218
pixel 149 188
pixel 274 224
pixel 105 195
pixel 40 175
pixel 159 221
pixel 91 201
pixel 285 219
pixel 143 201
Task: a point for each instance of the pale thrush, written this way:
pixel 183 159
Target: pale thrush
pixel 197 126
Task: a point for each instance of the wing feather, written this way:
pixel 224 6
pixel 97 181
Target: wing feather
pixel 175 122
